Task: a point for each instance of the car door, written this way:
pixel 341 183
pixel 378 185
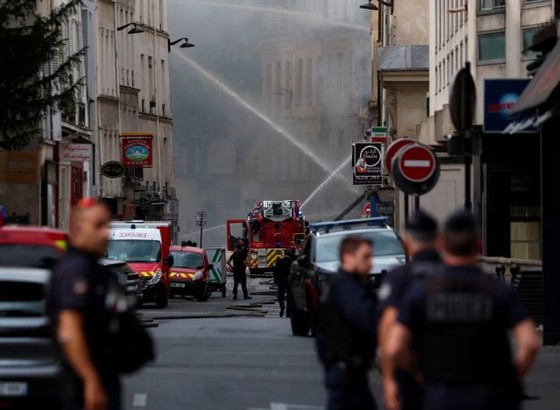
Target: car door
pixel 299 275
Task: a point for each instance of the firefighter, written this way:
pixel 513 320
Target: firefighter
pixel 420 243
pixel 346 334
pixel 461 321
pixel 281 273
pixel 238 264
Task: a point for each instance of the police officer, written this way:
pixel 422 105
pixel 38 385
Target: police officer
pixel 281 273
pixel 80 287
pixel 238 264
pixel 420 236
pixel 346 333
pixel 461 321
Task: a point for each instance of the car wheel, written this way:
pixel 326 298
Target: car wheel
pixel 204 294
pixel 162 300
pixel 300 323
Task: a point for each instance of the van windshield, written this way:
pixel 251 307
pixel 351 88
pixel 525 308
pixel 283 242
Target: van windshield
pixel 130 250
pixel 187 260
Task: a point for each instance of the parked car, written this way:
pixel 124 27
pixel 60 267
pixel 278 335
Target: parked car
pixel 31 246
pixel 318 263
pixel 189 274
pixel 128 278
pixel 28 360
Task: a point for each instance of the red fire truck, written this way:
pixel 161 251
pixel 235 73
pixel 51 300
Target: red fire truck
pixel 270 228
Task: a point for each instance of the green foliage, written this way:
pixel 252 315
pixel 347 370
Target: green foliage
pixel 29 82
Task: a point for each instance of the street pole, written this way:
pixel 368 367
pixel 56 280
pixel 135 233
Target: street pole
pixel 416 203
pixel 201 221
pixel 406 211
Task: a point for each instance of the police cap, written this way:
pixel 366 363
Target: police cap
pixel 422 225
pixel 460 221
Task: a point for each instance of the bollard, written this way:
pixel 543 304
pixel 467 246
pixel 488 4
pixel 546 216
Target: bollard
pixel 501 272
pixel 515 270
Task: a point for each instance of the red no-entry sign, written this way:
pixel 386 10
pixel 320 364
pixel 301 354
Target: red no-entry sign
pixel 367 209
pixel 392 151
pixel 417 162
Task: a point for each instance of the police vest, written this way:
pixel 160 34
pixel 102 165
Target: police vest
pixel 465 337
pixel 340 341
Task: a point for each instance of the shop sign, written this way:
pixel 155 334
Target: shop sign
pixel 112 169
pixel 19 167
pixel 500 96
pixel 76 152
pixel 137 151
pixel 367 163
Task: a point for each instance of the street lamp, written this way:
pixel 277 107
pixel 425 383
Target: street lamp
pixel 134 30
pixel 370 6
pixel 185 44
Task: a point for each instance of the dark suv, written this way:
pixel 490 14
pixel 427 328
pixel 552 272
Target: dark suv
pixel 318 263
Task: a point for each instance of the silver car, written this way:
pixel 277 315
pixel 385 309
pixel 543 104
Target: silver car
pixel 28 359
pixel 318 262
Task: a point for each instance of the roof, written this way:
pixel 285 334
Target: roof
pixel 187 249
pixel 403 58
pixel 355 231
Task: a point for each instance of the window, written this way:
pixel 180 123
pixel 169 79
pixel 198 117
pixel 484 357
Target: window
pixel 309 81
pixel 299 81
pixel 278 84
pixel 492 4
pixel 491 47
pixel 528 41
pixel 268 82
pixel 289 87
pixel 437 80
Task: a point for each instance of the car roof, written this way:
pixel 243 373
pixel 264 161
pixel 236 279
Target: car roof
pixel 18 274
pixel 187 249
pixel 34 235
pixel 359 231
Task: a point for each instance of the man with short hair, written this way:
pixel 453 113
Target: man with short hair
pixel 461 322
pixel 80 287
pixel 281 273
pixel 346 333
pixel 238 264
pixel 421 232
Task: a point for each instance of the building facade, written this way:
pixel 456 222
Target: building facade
pixel 134 107
pixel 493 35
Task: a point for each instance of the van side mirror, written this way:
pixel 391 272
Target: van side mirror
pixel 170 260
pixel 210 266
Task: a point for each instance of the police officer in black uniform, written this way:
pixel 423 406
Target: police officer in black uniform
pixel 461 322
pixel 281 273
pixel 80 287
pixel 238 263
pixel 346 334
pixel 421 232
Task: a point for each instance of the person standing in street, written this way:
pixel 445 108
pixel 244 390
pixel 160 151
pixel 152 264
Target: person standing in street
pixel 461 322
pixel 79 292
pixel 421 232
pixel 238 264
pixel 346 333
pixel 281 273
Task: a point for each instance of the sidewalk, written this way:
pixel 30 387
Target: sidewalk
pixel 543 383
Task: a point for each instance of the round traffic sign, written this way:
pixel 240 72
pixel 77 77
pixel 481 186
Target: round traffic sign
pixel 422 170
pixel 392 151
pixel 417 162
pixel 367 208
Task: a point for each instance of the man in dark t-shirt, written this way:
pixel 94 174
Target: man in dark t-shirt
pixel 80 287
pixel 238 264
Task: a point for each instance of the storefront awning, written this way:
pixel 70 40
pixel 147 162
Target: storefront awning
pixel 545 85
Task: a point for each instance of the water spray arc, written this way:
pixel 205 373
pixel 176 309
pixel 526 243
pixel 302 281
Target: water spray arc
pixel 240 100
pixel 328 179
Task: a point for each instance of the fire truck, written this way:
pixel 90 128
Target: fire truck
pixel 270 228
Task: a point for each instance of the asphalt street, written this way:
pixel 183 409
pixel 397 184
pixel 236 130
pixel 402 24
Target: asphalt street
pixel 211 356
